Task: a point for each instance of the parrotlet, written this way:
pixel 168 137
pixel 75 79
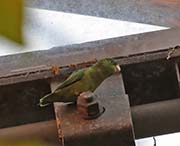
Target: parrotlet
pixel 87 79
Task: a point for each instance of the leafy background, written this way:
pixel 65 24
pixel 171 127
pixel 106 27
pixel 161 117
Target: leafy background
pixel 11 18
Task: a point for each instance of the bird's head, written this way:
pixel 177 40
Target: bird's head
pixel 108 66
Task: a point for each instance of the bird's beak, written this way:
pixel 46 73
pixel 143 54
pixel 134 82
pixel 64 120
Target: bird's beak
pixel 117 68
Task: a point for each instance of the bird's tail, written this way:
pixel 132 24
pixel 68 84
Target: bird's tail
pixel 46 100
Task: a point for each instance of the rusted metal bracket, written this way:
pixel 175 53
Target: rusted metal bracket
pixel 113 127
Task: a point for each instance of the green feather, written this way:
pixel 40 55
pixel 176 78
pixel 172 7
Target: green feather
pixel 87 79
pixel 74 77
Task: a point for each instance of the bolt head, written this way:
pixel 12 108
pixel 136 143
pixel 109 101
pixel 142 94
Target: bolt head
pixel 89 109
pixel 87 106
pixel 86 97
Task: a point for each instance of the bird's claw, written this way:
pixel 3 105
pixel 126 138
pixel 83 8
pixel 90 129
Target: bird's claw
pixel 43 105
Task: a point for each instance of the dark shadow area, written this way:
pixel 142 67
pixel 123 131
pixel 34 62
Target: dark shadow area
pixel 19 103
pixel 150 82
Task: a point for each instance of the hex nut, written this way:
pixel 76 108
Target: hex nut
pixel 87 107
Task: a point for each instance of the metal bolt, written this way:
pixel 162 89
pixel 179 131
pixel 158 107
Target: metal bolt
pixel 87 107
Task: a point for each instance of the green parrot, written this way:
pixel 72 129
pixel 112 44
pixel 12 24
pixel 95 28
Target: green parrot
pixel 87 79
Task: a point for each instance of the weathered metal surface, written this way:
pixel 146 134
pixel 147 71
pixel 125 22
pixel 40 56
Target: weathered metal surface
pixel 88 107
pixel 45 131
pixel 148 120
pixel 127 50
pixel 19 103
pixel 150 81
pixel 113 127
pixel 160 12
pixel 156 118
pixel 177 73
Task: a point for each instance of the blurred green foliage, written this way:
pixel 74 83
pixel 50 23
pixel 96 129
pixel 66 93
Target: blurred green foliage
pixel 24 143
pixel 11 19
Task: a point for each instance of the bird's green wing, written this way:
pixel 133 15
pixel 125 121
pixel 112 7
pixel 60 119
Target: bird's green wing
pixel 74 77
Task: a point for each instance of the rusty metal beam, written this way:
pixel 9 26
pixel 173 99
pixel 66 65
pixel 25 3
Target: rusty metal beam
pixel 42 131
pixel 127 50
pixel 148 120
pixel 159 12
pixel 156 118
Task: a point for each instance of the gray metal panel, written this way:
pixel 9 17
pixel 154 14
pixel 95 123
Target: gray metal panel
pixel 156 118
pixel 158 12
pixel 130 49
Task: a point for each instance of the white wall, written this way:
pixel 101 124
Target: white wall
pixel 44 29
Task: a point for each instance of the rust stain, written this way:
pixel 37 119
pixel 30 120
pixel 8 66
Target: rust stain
pixel 174 22
pixel 83 64
pixel 73 65
pixel 55 69
pixel 59 126
pixel 86 64
pixel 78 131
pixel 166 2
